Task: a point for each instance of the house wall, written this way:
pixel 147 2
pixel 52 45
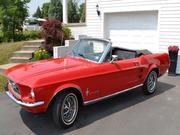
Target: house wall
pixel 168 18
pixel 77 30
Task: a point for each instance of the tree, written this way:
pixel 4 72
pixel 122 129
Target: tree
pixel 82 12
pixel 73 11
pixel 38 13
pixel 44 10
pixel 12 16
pixel 55 10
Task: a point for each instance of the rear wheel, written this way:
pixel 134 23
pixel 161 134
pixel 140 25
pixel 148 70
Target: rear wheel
pixel 65 109
pixel 150 84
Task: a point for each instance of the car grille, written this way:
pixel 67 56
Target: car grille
pixel 14 87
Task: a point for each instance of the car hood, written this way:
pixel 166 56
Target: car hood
pixel 29 72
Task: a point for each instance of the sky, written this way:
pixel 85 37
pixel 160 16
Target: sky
pixel 33 5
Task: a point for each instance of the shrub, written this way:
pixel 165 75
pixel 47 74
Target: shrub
pixel 32 34
pixel 67 33
pixel 53 34
pixel 27 35
pixel 41 54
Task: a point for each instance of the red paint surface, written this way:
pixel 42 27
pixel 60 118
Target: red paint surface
pixel 93 80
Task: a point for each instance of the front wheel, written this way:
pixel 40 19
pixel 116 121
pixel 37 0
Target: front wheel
pixel 65 109
pixel 150 84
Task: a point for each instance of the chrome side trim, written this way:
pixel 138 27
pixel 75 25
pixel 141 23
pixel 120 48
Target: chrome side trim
pixel 109 96
pixel 22 103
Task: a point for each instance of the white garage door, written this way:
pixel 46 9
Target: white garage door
pixel 134 30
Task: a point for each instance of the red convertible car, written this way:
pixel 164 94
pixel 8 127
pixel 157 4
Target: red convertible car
pixel 93 71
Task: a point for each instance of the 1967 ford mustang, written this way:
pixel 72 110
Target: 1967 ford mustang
pixel 94 70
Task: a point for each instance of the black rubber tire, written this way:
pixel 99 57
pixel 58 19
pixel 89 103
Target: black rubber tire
pixel 57 107
pixel 146 90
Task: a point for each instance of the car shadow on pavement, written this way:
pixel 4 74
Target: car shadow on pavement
pixel 42 124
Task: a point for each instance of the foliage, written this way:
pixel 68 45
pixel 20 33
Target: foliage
pixel 82 12
pixel 44 10
pixel 7 49
pixel 67 33
pixel 12 16
pixel 173 48
pixel 41 54
pixel 27 35
pixel 38 13
pixel 3 82
pixel 73 14
pixel 55 10
pixel 53 35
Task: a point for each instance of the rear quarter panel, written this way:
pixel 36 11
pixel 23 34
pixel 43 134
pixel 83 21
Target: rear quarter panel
pixel 151 61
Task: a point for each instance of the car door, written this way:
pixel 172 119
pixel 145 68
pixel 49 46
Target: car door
pixel 118 76
pixel 130 72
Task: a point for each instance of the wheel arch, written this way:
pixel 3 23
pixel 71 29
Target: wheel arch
pixel 68 87
pixel 153 68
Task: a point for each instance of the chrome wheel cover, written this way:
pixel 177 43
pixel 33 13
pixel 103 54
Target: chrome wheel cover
pixel 69 109
pixel 151 82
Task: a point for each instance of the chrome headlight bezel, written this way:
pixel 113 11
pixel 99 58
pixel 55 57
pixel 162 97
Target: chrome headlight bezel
pixel 14 87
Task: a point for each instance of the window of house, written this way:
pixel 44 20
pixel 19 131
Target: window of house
pixel 76 11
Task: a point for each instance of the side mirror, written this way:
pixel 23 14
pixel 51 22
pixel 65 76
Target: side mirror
pixel 114 58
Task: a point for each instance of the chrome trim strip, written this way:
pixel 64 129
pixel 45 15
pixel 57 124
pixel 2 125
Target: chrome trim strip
pixel 22 103
pixel 109 96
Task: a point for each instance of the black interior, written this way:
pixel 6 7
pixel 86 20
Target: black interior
pixel 124 54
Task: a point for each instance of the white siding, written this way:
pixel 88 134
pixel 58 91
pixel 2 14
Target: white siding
pixel 169 18
pixel 78 30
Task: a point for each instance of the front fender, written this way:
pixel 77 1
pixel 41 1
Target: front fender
pixel 66 86
pixel 63 87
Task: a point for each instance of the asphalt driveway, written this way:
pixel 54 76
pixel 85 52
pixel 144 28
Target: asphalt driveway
pixel 131 113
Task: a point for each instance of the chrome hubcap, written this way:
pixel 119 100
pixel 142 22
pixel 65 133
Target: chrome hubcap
pixel 69 109
pixel 151 83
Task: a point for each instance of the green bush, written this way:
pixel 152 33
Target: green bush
pixel 41 54
pixel 27 35
pixel 67 33
pixel 32 34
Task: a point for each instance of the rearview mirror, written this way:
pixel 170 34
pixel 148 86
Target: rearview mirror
pixel 114 58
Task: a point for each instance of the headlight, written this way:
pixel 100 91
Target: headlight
pixel 32 93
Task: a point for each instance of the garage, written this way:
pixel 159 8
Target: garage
pixel 134 30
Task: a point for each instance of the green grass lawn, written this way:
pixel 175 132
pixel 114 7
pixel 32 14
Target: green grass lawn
pixel 6 51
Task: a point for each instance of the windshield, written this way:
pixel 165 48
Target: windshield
pixel 90 49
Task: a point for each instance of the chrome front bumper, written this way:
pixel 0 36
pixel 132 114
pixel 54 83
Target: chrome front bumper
pixel 23 103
